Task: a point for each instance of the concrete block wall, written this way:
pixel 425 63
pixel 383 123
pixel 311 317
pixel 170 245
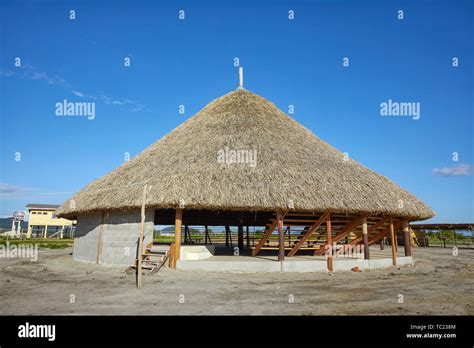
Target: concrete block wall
pixel 86 237
pixel 119 236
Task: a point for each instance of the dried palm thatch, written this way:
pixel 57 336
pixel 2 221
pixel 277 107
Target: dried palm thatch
pixel 293 169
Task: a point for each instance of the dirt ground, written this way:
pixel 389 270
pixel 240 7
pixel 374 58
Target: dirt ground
pixel 440 283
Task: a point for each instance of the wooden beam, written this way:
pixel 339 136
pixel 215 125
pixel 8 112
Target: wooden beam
pixel 394 251
pixel 396 239
pixel 307 221
pixel 171 260
pixel 383 233
pixel 178 221
pixel 281 238
pixel 371 230
pixel 226 235
pixel 187 238
pixel 140 240
pixel 344 232
pixel 333 216
pixel 379 236
pixel 240 237
pixel 406 238
pixel 329 242
pixel 351 225
pixel 308 233
pixel 365 238
pixel 247 237
pixel 230 237
pixel 266 234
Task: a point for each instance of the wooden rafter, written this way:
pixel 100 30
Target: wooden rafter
pixel 371 230
pixel 265 236
pixel 349 228
pixel 300 220
pixel 344 232
pixel 308 234
pixel 383 233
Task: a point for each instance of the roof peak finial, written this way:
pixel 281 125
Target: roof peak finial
pixel 241 77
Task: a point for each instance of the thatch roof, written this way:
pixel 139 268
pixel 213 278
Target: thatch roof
pixel 294 168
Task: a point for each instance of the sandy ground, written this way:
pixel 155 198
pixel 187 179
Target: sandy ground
pixel 440 283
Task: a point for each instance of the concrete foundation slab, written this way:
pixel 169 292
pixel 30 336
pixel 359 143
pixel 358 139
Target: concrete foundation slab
pixel 257 265
pixel 196 252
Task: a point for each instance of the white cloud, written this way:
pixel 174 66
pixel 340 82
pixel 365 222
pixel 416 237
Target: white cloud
pixel 38 76
pixel 7 189
pixel 29 72
pixel 138 107
pixel 14 191
pixel 460 170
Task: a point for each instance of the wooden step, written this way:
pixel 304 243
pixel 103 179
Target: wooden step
pixel 147 265
pixel 148 252
pixel 152 256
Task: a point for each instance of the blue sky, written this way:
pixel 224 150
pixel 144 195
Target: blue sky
pixel 191 62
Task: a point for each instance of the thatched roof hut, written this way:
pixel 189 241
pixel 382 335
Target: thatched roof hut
pixel 242 155
pixel 293 167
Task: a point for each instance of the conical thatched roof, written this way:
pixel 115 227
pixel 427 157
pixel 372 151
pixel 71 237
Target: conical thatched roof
pixel 293 168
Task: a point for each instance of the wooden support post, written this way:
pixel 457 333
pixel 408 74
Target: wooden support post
pixel 140 240
pixel 187 235
pixel 240 238
pixel 248 237
pixel 171 260
pixel 177 233
pixel 365 238
pixel 329 242
pixel 99 240
pixel 393 242
pixel 346 230
pixel 375 238
pixel 396 239
pixel 281 238
pixel 372 231
pixel 406 239
pixel 208 236
pixel 230 237
pixel 227 236
pixel 350 226
pixel 382 243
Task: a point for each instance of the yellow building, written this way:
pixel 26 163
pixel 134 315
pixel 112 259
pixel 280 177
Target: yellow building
pixel 43 222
